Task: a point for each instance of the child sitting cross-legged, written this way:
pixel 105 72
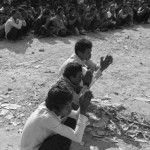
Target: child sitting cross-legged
pixel 47 127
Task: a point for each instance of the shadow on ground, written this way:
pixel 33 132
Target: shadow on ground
pixel 20 47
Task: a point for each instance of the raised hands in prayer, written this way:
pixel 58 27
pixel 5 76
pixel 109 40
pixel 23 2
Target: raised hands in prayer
pixel 105 62
pixel 84 101
pixel 87 78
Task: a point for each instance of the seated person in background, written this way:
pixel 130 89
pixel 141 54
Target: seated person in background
pixel 40 22
pixel 60 23
pixel 13 26
pixel 143 13
pixel 47 29
pixel 124 17
pixel 135 6
pixel 112 17
pixel 91 20
pixel 82 55
pixel 47 127
pixel 82 9
pixel 24 15
pixel 74 24
pixel 104 22
pixel 130 10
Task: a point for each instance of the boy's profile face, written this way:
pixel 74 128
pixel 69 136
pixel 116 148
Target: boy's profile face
pixel 77 79
pixel 66 110
pixel 87 54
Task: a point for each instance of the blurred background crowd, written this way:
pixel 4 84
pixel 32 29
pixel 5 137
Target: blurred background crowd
pixel 46 18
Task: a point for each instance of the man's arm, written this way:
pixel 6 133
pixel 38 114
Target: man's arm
pixel 76 135
pixel 18 26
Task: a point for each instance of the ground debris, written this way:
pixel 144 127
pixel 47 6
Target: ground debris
pixel 110 120
pixel 10 106
pixel 3 112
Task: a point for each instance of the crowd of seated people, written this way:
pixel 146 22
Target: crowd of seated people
pixel 73 17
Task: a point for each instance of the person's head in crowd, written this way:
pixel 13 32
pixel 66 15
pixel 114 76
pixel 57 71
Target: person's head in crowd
pixel 83 49
pixel 6 6
pixel 128 4
pixel 92 10
pixel 46 13
pixel 112 8
pixel 16 14
pixel 23 12
pixel 72 11
pixel 52 12
pixel 60 11
pixel 102 11
pixel 125 9
pixel 59 100
pixel 73 72
pixel 47 6
pixel 82 7
pixel 144 4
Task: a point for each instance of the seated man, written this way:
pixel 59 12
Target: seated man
pixel 13 26
pixel 130 10
pixel 60 23
pixel 143 13
pixel 91 20
pixel 104 22
pixel 73 22
pixel 40 24
pixel 124 17
pixel 82 55
pixel 47 127
pixel 112 17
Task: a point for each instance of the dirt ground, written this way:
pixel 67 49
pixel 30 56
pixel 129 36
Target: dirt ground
pixel 29 67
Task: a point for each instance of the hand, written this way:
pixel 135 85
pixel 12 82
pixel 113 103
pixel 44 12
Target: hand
pixel 84 101
pixel 87 78
pixel 104 63
pixel 17 21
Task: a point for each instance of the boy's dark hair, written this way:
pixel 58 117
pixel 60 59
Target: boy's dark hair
pixel 72 69
pixel 58 96
pixel 82 45
pixel 59 9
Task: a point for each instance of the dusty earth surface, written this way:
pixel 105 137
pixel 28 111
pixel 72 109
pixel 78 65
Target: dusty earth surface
pixel 29 67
